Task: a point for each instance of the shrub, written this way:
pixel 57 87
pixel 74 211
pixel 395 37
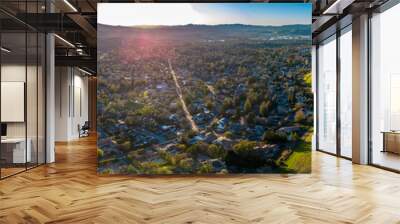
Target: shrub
pixel 205 168
pixel 293 136
pixel 186 164
pixel 107 171
pixel 154 168
pixel 131 169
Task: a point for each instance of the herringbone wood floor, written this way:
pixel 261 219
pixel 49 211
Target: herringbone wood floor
pixel 70 191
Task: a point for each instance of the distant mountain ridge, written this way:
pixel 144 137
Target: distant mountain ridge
pixel 193 24
pixel 201 32
pixel 234 25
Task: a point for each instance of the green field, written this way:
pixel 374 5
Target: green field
pixel 300 159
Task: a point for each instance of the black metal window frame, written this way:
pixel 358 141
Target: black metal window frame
pixel 44 93
pixel 338 33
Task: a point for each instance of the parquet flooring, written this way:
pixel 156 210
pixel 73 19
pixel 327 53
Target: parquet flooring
pixel 69 191
pixel 10 171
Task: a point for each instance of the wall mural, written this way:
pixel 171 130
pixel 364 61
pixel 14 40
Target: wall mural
pixel 204 88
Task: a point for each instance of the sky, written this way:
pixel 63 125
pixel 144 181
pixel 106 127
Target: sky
pixel 169 14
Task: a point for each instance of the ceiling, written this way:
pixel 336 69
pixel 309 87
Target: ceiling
pixel 330 15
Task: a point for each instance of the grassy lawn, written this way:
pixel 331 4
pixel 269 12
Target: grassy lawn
pixel 300 159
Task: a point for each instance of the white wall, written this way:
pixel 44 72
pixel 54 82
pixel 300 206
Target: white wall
pixel 71 102
pixel 80 110
pixel 62 82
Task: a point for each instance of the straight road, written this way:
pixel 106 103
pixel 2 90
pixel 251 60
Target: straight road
pixel 179 92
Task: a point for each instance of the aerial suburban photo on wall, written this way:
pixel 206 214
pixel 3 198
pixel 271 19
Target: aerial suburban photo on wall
pixel 204 88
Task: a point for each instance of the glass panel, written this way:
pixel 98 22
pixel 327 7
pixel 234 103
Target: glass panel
pixel 327 95
pixel 13 86
pixel 346 92
pixel 31 98
pixel 22 88
pixel 31 87
pixel 385 92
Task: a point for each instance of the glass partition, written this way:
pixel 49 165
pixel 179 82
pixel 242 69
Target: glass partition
pixel 22 78
pixel 327 95
pixel 14 151
pixel 31 99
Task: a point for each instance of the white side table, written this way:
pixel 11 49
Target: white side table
pixel 19 153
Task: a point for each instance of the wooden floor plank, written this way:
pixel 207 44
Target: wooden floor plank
pixel 70 191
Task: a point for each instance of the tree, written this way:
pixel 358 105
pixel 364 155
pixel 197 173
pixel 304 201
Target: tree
pixel 244 146
pixel 252 96
pixel 250 118
pixel 291 95
pixel 299 116
pixel 227 103
pixel 251 80
pixel 198 148
pixel 308 79
pixel 264 108
pixel 126 146
pixel 187 99
pixel 228 134
pixel 274 137
pixel 242 71
pixel 215 151
pixel 247 106
pixel 100 153
pixel 146 94
pixel 238 113
pixel 209 104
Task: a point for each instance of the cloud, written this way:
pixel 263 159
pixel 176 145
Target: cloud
pixel 131 14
